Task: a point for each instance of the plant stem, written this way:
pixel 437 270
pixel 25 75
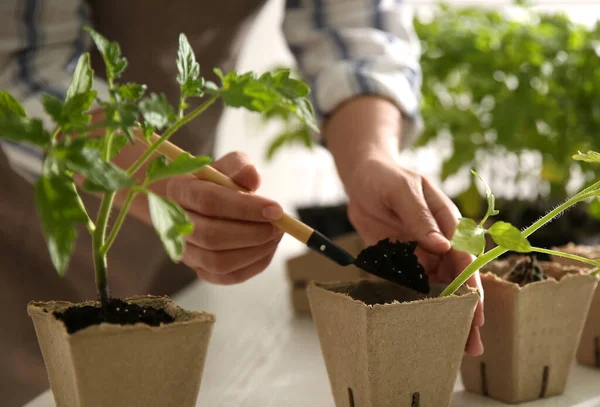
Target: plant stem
pixel 169 132
pixel 107 145
pixel 98 241
pixel 499 251
pixel 119 222
pixel 594 263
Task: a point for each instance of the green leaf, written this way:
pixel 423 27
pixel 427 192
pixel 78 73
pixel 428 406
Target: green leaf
pixel 73 113
pixel 9 106
pixel 148 130
pixel 24 130
pixel 509 237
pixel 188 76
pixel 80 158
pixel 171 223
pixel 59 209
pixel 111 54
pixel 589 157
pixel 469 237
pixel 132 91
pixel 82 77
pixel 157 111
pixel 270 91
pixel 159 168
pixel 118 142
pixel 297 136
pixel 491 200
pixel 470 202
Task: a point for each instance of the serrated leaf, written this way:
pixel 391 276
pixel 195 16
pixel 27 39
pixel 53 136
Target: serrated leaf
pixel 270 91
pixel 188 76
pixel 509 237
pixel 491 199
pixel 73 113
pixel 157 111
pixel 160 168
pixel 132 91
pixel 59 209
pixel 171 224
pixel 589 157
pixel 80 158
pixel 82 77
pixel 9 106
pixel 111 54
pixel 24 130
pixel 468 237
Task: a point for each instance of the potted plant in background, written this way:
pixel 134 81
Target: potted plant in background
pixel 389 345
pixel 141 350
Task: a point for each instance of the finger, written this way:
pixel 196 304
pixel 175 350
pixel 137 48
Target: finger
pixel 474 346
pixel 238 276
pixel 475 282
pixel 240 169
pixel 212 200
pixel 442 208
pixel 409 205
pixel 227 261
pixel 220 234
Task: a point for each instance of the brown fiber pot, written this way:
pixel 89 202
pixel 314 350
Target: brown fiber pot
pixel 386 345
pixel 124 365
pixel 588 352
pixel 530 334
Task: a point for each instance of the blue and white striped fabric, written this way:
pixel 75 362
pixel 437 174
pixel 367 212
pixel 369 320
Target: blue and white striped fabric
pixel 344 48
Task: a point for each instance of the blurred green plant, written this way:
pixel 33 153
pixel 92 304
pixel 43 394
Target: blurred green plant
pixel 511 85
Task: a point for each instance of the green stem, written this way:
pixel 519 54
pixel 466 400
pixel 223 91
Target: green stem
pixel 119 222
pixel 107 145
pixel 493 254
pixel 98 237
pixel 55 134
pixel 594 263
pixel 169 132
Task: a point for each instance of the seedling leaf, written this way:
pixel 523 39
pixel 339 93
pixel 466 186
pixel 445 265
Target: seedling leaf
pixel 80 158
pixel 491 200
pixel 60 209
pixel 157 111
pixel 589 157
pixel 171 224
pixel 469 237
pixel 188 77
pixel 111 54
pixel 159 168
pixel 23 130
pixel 9 106
pixel 509 237
pixel 82 77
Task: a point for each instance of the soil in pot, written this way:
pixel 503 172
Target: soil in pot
pixel 387 345
pixel 117 312
pixel 531 329
pixel 133 365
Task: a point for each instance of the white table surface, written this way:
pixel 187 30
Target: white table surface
pixel 262 355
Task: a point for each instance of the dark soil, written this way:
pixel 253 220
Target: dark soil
pixel 117 312
pixel 525 271
pixel 395 262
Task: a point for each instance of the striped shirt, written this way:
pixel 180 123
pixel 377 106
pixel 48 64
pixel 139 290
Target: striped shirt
pixel 344 48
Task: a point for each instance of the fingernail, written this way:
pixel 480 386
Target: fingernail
pixel 272 212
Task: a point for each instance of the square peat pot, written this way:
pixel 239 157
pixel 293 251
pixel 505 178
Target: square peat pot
pixel 530 333
pixel 385 345
pixel 124 365
pixel 312 266
pixel 588 352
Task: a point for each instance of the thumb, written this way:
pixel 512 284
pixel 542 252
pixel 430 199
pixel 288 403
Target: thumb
pixel 410 206
pixel 240 169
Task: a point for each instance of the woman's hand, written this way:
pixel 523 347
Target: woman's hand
pixel 232 239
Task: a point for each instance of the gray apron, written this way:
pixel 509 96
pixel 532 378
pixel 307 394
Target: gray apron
pixel 147 31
